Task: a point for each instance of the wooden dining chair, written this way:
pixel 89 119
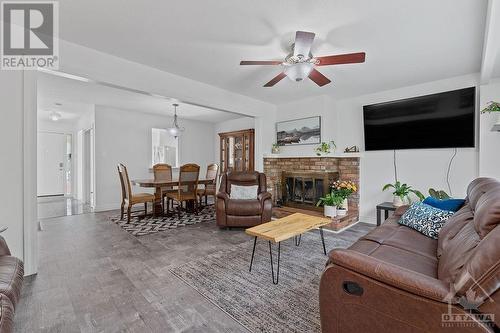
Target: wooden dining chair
pixel 187 188
pixel 163 172
pixel 130 199
pixel 210 188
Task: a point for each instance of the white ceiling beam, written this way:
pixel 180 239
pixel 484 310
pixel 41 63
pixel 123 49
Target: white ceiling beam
pixel 491 45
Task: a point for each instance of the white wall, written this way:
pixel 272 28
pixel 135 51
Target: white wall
pixel 125 137
pixel 423 168
pixel 489 161
pixel 11 159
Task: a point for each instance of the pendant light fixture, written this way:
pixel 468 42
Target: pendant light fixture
pixel 55 116
pixel 175 130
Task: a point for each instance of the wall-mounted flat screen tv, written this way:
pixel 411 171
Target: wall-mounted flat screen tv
pixel 444 120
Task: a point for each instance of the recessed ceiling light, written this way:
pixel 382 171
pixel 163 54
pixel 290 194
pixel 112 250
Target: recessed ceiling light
pixel 55 116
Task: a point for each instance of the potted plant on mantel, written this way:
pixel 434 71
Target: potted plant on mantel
pixel 330 203
pixel 275 149
pixel 325 148
pixel 402 193
pixel 493 107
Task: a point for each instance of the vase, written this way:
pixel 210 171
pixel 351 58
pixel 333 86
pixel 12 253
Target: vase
pixel 275 150
pixel 330 211
pixel 397 201
pixel 341 212
pixel 345 204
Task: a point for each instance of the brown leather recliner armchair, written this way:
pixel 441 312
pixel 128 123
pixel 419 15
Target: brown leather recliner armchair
pixel 243 213
pixel 11 280
pixel 395 279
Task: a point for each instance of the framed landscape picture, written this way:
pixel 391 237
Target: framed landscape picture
pixel 305 131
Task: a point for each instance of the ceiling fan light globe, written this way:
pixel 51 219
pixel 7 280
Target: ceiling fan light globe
pixel 298 72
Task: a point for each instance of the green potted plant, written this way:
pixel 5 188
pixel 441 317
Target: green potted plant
pixel 325 148
pixel 275 148
pixel 345 188
pixel 493 107
pixel 330 202
pixel 402 193
pixel 438 194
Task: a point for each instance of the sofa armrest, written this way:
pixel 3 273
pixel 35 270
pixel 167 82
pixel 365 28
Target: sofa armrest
pixel 395 276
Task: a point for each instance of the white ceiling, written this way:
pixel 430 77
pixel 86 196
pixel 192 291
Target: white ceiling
pixel 77 96
pixel 407 42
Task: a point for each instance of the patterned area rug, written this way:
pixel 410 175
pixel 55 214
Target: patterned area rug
pixel 250 297
pixel 140 225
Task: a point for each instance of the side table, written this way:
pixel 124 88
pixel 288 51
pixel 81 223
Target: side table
pixel 386 207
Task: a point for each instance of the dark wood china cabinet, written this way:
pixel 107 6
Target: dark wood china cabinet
pixel 237 150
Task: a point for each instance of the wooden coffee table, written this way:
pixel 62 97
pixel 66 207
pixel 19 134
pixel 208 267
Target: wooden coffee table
pixel 285 228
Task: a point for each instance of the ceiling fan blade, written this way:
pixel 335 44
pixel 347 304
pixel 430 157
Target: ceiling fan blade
pixel 318 78
pixel 350 58
pixel 263 62
pixel 303 43
pixel 275 80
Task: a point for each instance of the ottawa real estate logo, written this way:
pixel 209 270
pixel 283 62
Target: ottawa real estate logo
pixel 29 35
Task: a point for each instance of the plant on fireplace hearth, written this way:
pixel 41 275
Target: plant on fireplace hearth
pixel 401 192
pixel 330 202
pixel 344 188
pixel 325 148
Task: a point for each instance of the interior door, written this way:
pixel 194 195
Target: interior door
pixel 51 168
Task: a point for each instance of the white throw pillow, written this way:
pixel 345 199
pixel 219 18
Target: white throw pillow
pixel 244 192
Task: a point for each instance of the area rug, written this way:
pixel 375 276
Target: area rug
pixel 250 297
pixel 144 225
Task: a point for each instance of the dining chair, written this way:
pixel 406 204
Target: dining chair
pixel 210 188
pixel 163 172
pixel 130 199
pixel 187 188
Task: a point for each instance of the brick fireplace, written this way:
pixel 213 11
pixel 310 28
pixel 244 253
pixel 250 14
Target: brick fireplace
pixel 298 181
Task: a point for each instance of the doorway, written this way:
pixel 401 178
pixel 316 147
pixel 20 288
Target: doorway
pixel 54 164
pixel 87 169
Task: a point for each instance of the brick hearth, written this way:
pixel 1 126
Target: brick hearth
pixel 347 167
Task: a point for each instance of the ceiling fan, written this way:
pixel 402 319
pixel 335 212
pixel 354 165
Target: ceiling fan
pixel 300 63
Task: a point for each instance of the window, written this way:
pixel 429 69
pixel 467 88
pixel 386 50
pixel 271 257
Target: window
pixel 165 148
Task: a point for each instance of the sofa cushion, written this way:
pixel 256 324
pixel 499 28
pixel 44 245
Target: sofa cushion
pixel 402 246
pixel 487 212
pixel 243 207
pixel 425 219
pixel 468 244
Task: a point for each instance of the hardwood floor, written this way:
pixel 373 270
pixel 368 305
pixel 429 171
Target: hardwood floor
pixel 95 277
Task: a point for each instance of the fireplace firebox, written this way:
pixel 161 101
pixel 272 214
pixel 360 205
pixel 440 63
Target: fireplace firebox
pixel 303 189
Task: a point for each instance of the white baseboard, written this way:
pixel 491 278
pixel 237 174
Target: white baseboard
pixel 368 219
pixel 107 207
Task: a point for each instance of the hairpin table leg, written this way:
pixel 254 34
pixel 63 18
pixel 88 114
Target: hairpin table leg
pixel 253 253
pixel 322 239
pixel 272 266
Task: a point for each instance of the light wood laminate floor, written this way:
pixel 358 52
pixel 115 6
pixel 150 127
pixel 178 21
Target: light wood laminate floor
pixel 95 277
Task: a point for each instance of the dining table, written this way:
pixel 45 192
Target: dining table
pixel 159 184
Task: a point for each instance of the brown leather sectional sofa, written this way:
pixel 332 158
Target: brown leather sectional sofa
pixel 243 213
pixel 11 280
pixel 395 279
